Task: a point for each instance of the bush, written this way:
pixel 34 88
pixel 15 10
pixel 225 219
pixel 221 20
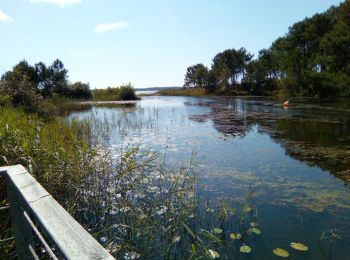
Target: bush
pixel 127 93
pixel 80 90
pixel 5 100
pixel 20 93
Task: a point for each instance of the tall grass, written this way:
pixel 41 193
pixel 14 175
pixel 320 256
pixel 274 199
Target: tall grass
pixel 56 153
pixel 131 202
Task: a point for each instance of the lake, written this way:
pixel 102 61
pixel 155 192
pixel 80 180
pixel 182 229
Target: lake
pixel 293 162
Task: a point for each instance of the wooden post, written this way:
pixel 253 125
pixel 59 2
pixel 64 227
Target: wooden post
pixel 22 229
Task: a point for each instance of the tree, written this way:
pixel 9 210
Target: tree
pixel 196 76
pixel 21 91
pixel 43 78
pixel 19 72
pixel 59 77
pixel 80 90
pixel 230 66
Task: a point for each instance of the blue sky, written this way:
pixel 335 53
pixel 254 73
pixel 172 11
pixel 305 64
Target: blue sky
pixel 145 42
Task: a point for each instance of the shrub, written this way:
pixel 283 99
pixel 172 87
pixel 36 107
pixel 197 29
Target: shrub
pixel 80 90
pixel 127 93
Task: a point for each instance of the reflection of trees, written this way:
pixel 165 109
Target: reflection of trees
pixel 70 108
pixel 318 143
pixel 321 141
pixel 226 120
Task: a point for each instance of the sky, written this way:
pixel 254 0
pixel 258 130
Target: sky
pixel 147 43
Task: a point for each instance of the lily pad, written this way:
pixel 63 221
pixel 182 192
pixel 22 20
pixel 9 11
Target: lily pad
pixel 299 246
pixel 217 230
pixel 256 231
pixel 245 249
pixel 235 236
pixel 280 252
pixel 247 209
pixel 213 254
pixel 254 224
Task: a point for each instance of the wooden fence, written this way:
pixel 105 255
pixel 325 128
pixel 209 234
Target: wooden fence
pixel 34 212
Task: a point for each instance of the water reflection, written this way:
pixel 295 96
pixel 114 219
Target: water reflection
pixel 251 143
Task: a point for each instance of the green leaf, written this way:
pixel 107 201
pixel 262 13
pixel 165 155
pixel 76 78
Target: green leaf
pixel 299 246
pixel 254 224
pixel 247 209
pixel 245 249
pixel 235 236
pixel 217 230
pixel 256 231
pixel 213 254
pixel 280 252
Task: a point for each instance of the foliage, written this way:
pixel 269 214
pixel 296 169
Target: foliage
pixel 197 92
pixel 34 87
pixel 80 90
pixel 125 92
pixel 56 153
pixel 196 76
pixel 312 59
pixel 134 205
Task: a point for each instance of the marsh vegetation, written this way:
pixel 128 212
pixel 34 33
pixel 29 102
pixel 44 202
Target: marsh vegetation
pixel 247 195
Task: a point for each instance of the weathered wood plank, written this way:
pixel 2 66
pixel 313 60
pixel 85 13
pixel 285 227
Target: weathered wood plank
pixel 25 183
pixel 22 230
pixel 71 238
pixel 68 236
pixel 13 170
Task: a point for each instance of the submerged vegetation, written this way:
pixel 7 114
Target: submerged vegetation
pixel 312 60
pixel 134 205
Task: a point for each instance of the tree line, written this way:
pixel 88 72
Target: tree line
pixel 26 84
pixel 312 59
pixel 43 89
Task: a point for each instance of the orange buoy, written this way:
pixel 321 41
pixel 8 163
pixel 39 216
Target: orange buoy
pixel 285 104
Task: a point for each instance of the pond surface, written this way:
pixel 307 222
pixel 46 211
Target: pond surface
pixel 294 161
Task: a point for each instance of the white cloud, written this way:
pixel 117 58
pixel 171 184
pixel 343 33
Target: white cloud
pixel 4 17
pixel 110 27
pixel 61 3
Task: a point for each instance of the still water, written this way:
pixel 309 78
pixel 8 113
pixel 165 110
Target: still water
pixel 294 161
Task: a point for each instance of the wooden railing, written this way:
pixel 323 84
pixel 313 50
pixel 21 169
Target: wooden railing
pixel 34 212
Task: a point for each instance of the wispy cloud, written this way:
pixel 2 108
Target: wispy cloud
pixel 61 3
pixel 104 27
pixel 4 17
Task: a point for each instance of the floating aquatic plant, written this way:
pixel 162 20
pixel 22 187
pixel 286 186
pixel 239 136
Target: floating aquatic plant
pixel 254 224
pixel 217 230
pixel 299 246
pixel 235 236
pixel 245 249
pixel 131 255
pixel 280 252
pixel 256 231
pixel 213 254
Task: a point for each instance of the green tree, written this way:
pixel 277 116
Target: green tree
pixel 59 78
pixel 43 79
pixel 80 90
pixel 196 76
pixel 230 66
